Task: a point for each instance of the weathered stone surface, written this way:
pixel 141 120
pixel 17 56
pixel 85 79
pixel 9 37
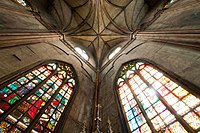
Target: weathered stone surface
pixel 181 57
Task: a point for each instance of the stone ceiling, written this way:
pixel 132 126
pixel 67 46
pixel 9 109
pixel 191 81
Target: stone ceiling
pixel 98 26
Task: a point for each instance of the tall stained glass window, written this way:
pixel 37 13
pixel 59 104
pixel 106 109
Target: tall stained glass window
pixel 152 102
pixel 35 101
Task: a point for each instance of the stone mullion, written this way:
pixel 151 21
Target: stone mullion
pixel 25 97
pixel 31 126
pixel 6 113
pixel 177 116
pixel 141 108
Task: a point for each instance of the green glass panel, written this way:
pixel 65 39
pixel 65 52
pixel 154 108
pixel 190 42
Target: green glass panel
pixel 23 80
pixel 12 98
pixel 5 90
pixel 42 77
pixel 51 124
pixel 45 87
pixel 72 81
pixel 64 101
pixel 14 86
pixel 39 92
pixel 26 120
pixel 49 83
pixel 52 66
pixel 36 80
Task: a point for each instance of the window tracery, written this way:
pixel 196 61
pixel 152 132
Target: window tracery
pixel 36 101
pixel 153 102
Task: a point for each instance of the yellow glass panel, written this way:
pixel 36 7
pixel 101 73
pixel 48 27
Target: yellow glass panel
pixel 177 128
pixel 171 99
pixel 191 101
pixel 180 92
pixel 158 123
pixel 193 120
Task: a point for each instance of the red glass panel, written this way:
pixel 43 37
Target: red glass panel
pixel 33 112
pixel 4 105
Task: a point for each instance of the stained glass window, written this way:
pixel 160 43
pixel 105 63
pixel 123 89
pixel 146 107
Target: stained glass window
pixel 22 2
pixel 35 101
pixel 153 102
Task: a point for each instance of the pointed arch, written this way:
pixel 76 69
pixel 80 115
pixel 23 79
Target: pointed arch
pixel 38 99
pixel 153 101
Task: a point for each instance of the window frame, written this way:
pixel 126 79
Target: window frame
pixel 6 80
pixel 190 87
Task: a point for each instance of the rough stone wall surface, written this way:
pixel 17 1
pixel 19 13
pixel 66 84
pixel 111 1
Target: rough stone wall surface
pixel 182 15
pixel 16 17
pixel 182 61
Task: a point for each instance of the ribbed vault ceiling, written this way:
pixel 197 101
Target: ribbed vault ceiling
pixel 98 26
